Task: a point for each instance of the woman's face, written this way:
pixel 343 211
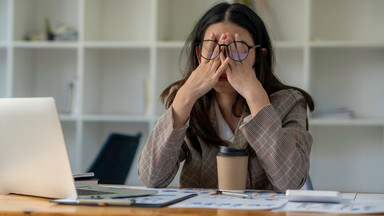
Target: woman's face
pixel 223 86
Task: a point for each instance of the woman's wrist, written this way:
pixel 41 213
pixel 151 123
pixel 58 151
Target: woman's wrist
pixel 186 97
pixel 257 102
pixel 181 108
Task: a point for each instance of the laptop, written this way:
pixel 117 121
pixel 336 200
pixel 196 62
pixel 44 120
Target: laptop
pixel 33 154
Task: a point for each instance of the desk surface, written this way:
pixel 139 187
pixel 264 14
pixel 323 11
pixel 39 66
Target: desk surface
pixel 25 205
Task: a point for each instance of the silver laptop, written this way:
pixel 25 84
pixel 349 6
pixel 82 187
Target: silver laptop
pixel 33 154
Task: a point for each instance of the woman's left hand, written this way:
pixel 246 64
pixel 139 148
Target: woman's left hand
pixel 242 78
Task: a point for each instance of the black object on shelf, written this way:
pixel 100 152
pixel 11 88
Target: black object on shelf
pixel 48 30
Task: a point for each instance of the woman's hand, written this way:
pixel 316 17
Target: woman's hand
pixel 242 78
pixel 201 81
pixel 206 75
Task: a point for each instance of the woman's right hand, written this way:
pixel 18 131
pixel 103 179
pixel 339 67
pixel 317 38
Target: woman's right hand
pixel 206 75
pixel 201 81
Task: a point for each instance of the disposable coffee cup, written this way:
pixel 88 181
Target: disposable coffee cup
pixel 232 166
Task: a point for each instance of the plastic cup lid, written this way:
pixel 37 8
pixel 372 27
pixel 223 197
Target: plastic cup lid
pixel 227 151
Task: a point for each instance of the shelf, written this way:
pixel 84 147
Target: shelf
pixel 116 118
pixel 170 44
pixel 3 72
pixel 114 81
pixel 70 135
pixel 343 158
pixel 347 44
pixel 278 17
pixel 67 117
pixel 347 20
pixel 349 78
pixel 117 20
pixel 276 44
pixel 117 45
pixel 46 44
pixel 167 64
pixel 346 122
pixel 289 66
pixel 29 16
pixel 176 19
pixel 44 73
pixel 4 16
pixel 288 44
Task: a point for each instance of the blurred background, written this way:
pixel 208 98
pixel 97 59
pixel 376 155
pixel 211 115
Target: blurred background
pixel 107 61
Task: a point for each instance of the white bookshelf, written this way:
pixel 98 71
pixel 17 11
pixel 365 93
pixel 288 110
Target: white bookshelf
pixel 334 49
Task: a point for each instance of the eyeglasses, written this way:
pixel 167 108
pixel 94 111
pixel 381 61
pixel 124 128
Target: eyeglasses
pixel 236 50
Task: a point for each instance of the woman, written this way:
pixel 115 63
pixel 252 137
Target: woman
pixel 230 96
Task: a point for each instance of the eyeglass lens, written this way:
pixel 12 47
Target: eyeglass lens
pixel 237 51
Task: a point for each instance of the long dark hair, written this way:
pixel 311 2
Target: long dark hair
pixel 241 15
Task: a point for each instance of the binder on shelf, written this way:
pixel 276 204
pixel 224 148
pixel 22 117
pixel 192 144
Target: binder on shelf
pixel 70 98
pixel 338 113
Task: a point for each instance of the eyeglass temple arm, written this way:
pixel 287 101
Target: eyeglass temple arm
pixel 251 47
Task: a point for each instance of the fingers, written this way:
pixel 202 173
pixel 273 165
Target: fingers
pixel 221 40
pixel 229 37
pixel 223 58
pixel 237 37
pixel 208 51
pixel 212 46
pixel 232 48
pixel 227 69
pixel 236 50
pixel 224 65
pixel 241 48
pixel 216 62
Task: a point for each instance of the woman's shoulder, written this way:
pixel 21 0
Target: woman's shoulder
pixel 289 94
pixel 285 99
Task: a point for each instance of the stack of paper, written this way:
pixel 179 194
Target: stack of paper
pixel 352 203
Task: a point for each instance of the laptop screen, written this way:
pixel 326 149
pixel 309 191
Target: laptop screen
pixel 33 155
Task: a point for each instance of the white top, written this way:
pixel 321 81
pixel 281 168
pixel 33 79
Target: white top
pixel 225 131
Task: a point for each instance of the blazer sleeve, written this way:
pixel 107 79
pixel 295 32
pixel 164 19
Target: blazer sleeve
pixel 281 141
pixel 160 158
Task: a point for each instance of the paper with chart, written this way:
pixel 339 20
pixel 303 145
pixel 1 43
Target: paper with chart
pixel 353 203
pixel 369 198
pixel 208 198
pixel 349 207
pixel 258 201
pixel 164 196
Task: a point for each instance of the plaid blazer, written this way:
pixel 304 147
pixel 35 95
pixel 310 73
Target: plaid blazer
pixel 277 138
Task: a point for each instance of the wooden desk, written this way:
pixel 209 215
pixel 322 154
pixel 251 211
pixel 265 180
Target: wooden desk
pixel 25 205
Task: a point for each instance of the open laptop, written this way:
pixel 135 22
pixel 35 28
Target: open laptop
pixel 33 154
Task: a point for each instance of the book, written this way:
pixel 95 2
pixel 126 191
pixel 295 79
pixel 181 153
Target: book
pixel 85 179
pixel 83 175
pixel 91 181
